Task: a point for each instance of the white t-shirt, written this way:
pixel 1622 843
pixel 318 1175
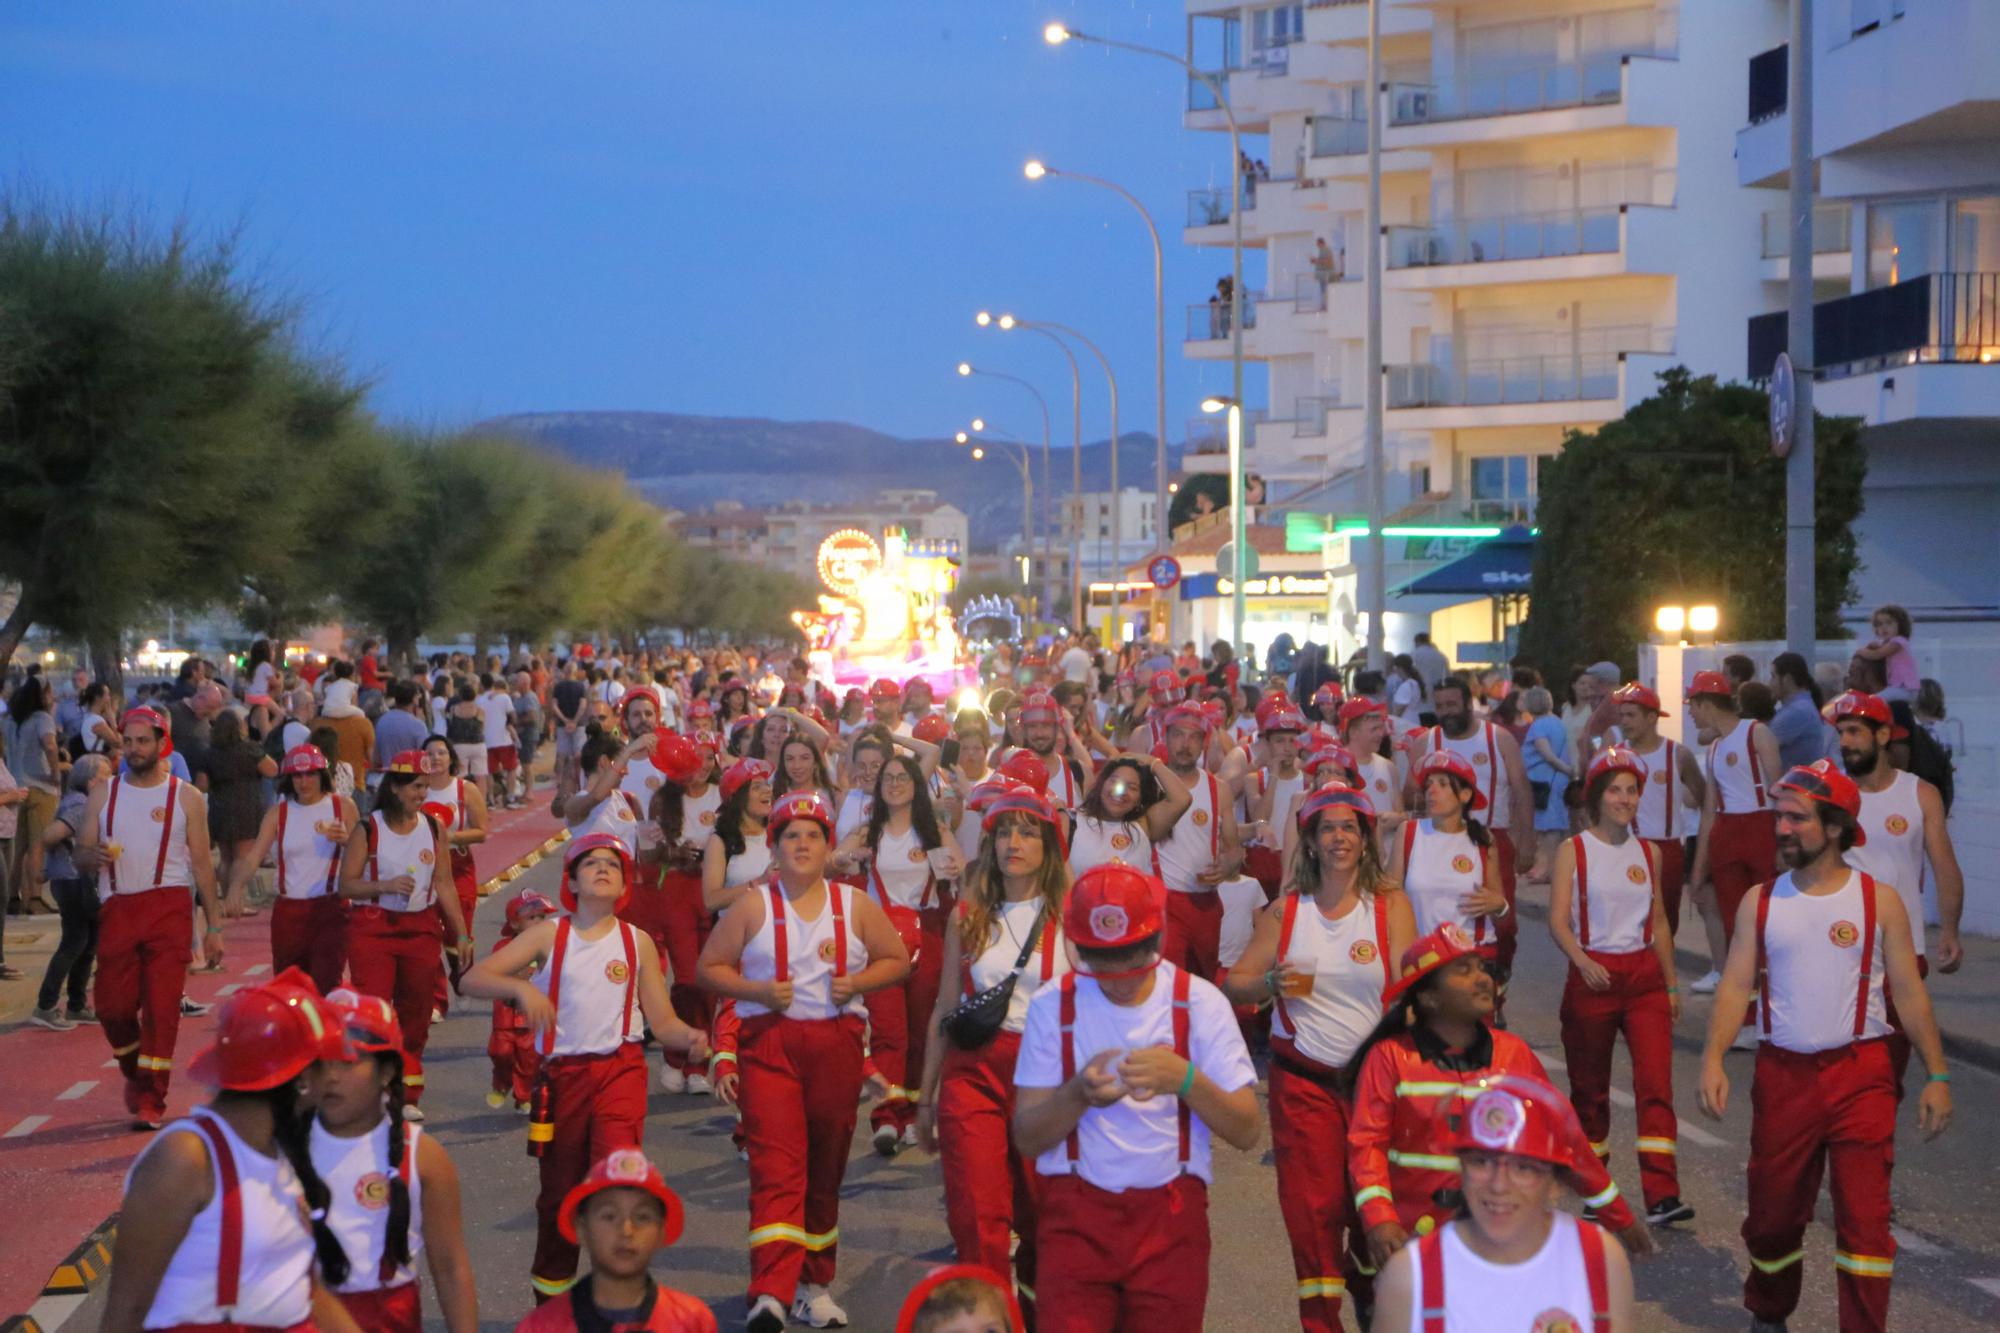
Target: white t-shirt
pixel 497 708
pixel 1075 664
pixel 1128 1144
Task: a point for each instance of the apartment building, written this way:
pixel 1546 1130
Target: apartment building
pixel 787 537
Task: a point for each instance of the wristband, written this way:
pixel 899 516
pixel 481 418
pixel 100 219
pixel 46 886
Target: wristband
pixel 1937 1078
pixel 1501 915
pixel 1271 979
pixel 1187 1084
pixel 1673 990
pixel 215 930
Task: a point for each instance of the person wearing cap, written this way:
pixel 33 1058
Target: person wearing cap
pixel 303 833
pixel 961 1298
pixel 1268 792
pixel 1163 690
pixel 597 988
pixel 1200 852
pixel 1608 915
pixel 1321 957
pixel 607 804
pixel 395 874
pixel 1447 861
pixel 1127 1068
pixel 1047 735
pixel 967 769
pixel 1133 803
pixel 1669 794
pixel 146 834
pixel 1362 726
pixel 392 1191
pixel 509 1043
pixel 681 814
pixel 1735 845
pixel 1006 932
pixel 1823 944
pixel 1512 1255
pixel 798 957
pixel 223 1223
pixel 885 705
pixel 459 807
pixel 735 857
pixel 621 1214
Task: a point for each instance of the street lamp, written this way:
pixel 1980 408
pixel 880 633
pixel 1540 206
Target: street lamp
pixel 1035 170
pixel 1019 457
pixel 966 370
pixel 1237 545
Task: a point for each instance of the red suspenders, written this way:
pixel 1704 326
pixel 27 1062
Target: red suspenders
pixel 1583 894
pixel 882 890
pixel 1285 925
pixel 1867 956
pixel 1182 1026
pixel 386 1271
pixel 1652 884
pixel 780 954
pixel 1430 1257
pixel 1382 939
pixel 229 1242
pixel 556 956
pixel 1750 753
pixel 1067 1014
pixel 1667 827
pixel 166 828
pixel 284 808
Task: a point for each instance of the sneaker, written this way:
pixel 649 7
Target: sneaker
pixel 698 1085
pixel 415 1114
pixel 909 1136
pixel 496 1100
pixel 815 1308
pixel 887 1141
pixel 672 1079
pixel 521 1108
pixel 1745 1039
pixel 192 1008
pixel 51 1019
pixel 1668 1210
pixel 766 1316
pixel 82 1014
pixel 437 1016
pixel 148 1124
pixel 1707 983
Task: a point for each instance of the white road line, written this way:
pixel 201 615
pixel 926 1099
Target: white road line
pixel 28 1125
pixel 76 1090
pixel 259 968
pixel 1989 1285
pixel 1696 1134
pixel 112 1063
pixel 230 989
pixel 1909 1242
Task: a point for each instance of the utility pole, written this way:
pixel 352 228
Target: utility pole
pixel 1801 601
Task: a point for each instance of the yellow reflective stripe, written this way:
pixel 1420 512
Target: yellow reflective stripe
pixel 896 1094
pixel 1777 1265
pixel 551 1286
pixel 1436 1090
pixel 1656 1145
pixel 1863 1265
pixel 413 1080
pixel 311 1011
pixel 1424 1161
pixel 1027 1292
pixel 824 1241
pixel 1599 1200
pixel 541 1131
pixel 1373 1192
pixel 1603 1149
pixel 125 1050
pixel 777 1231
pixel 716 1060
pixel 1313 1288
pixel 156 1062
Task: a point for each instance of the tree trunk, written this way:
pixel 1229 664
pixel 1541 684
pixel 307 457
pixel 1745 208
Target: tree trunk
pixel 14 629
pixel 107 662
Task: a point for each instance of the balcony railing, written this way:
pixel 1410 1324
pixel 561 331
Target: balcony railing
pixel 1830 234
pixel 1210 207
pixel 1582 231
pixel 1207 435
pixel 1496 381
pixel 1209 321
pixel 1594 82
pixel 1937 317
pixel 1309 416
pixel 1201 97
pixel 1770 72
pixel 1309 292
pixel 1339 136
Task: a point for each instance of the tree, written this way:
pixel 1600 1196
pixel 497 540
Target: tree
pixel 1680 501
pixel 1200 493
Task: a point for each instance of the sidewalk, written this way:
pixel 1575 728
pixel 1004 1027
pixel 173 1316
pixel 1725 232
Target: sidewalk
pixel 64 1141
pixel 1967 1002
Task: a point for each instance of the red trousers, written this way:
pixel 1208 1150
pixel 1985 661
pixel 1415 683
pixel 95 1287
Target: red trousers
pixel 1507 929
pixel 515 1059
pixel 1264 865
pixel 899 1026
pixel 142 965
pixel 684 926
pixel 1670 864
pixel 1635 1004
pixel 1314 1192
pixel 1135 1261
pixel 387 1309
pixel 1742 853
pixel 599 1103
pixel 801 1083
pixel 1807 1111
pixel 1193 940
pixel 989 1190
pixel 647 910
pixel 311 933
pixel 394 955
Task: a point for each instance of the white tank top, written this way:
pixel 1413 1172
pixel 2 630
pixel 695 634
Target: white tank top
pixel 1045 965
pixel 748 866
pixel 641 780
pixel 698 815
pixel 1379 775
pixel 1438 870
pixel 597 996
pixel 274 1278
pixel 1349 962
pixel 1663 810
pixel 148 826
pixel 1549 1291
pixel 411 854
pixel 1894 853
pixel 1096 842
pixel 452 797
pixel 809 955
pixel 1284 790
pixel 969 831
pixel 357 1175
pixel 900 873
pixel 1611 905
pixel 1733 770
pixel 1196 840
pixel 1482 750
pixel 853 813
pixel 308 861
pixel 1813 949
pixel 618 815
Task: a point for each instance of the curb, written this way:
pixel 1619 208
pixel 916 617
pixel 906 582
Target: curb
pixel 515 871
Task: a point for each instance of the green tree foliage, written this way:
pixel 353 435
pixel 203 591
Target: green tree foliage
pixel 1200 493
pixel 1680 501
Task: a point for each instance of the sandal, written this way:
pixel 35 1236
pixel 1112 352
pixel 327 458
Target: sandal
pixel 11 973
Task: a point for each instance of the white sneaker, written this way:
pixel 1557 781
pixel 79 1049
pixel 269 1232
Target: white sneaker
pixel 1745 1039
pixel 815 1308
pixel 766 1316
pixel 699 1086
pixel 672 1080
pixel 414 1113
pixel 1707 984
pixel 909 1139
pixel 437 1015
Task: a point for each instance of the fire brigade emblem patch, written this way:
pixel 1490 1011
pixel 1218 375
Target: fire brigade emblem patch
pixel 826 951
pixel 708 818
pixel 1109 922
pixel 1730 759
pixel 372 1191
pixel 615 972
pixel 627 1164
pixel 1844 934
pixel 1897 826
pixel 1496 1120
pixel 426 856
pixel 1657 775
pixel 1462 864
pixel 158 814
pixel 1121 841
pixel 1200 818
pixel 1553 1320
pixel 916 854
pixel 1363 951
pixel 1637 874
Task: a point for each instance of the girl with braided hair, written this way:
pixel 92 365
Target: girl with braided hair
pixel 393 1191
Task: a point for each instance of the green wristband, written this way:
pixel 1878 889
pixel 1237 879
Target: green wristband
pixel 1673 990
pixel 1938 1078
pixel 1187 1084
pixel 215 930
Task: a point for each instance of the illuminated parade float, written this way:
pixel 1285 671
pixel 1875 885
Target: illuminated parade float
pixel 886 611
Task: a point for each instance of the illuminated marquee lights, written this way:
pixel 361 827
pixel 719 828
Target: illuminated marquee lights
pixel 847 558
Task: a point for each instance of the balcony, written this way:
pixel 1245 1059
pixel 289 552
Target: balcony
pixel 1208 322
pixel 1945 318
pixel 1832 243
pixel 1339 136
pixel 1583 231
pixel 1605 92
pixel 1594 82
pixel 1495 381
pixel 1770 74
pixel 1210 207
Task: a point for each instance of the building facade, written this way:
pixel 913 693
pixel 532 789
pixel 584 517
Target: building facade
pixel 787 537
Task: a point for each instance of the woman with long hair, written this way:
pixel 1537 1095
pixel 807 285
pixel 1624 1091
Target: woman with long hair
pixel 801 766
pixel 683 811
pixel 239 1170
pixel 303 833
pixel 460 810
pixel 1322 955
pixel 736 856
pixel 1008 922
pixel 967 767
pixel 732 704
pixel 1133 802
pixel 236 769
pixel 1445 861
pixel 97 731
pixel 392 1190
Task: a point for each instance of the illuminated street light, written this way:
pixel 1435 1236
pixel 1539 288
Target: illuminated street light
pixel 1703 619
pixel 1034 171
pixel 1055 34
pixel 965 367
pixel 1670 619
pixel 961 437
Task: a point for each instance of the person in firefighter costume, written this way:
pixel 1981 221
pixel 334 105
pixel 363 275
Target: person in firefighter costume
pixel 1321 955
pixel 302 832
pixel 1608 914
pixel 1127 1067
pixel 222 1224
pixel 1511 1259
pixel 596 989
pixel 797 955
pixel 1823 944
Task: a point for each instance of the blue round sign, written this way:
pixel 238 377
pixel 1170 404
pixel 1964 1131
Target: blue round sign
pixel 1165 571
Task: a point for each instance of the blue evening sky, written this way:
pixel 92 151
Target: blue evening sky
pixel 756 208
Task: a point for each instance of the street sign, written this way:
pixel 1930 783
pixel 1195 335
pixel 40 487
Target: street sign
pixel 1225 561
pixel 1784 405
pixel 1164 571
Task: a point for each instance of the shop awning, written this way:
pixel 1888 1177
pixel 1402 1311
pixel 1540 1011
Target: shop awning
pixel 1500 566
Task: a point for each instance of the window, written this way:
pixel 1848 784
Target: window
pixel 1975 235
pixel 1902 240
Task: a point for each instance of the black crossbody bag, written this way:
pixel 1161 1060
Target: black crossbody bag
pixel 975 1020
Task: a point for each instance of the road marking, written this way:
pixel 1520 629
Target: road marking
pixel 1696 1134
pixel 230 989
pixel 254 971
pixel 28 1125
pixel 76 1090
pixel 1909 1242
pixel 1989 1285
pixel 112 1063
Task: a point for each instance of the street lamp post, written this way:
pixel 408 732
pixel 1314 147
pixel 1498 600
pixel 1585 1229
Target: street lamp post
pixel 1238 529
pixel 1055 34
pixel 1019 457
pixel 966 368
pixel 1035 170
pixel 985 318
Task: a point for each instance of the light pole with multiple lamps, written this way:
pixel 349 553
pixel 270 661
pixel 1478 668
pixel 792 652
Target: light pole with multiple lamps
pixel 966 369
pixel 980 439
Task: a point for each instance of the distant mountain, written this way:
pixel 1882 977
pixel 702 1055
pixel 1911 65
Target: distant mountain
pixel 687 462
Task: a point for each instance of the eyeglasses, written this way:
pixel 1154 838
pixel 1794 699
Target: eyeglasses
pixel 1523 1170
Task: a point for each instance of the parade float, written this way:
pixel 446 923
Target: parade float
pixel 886 612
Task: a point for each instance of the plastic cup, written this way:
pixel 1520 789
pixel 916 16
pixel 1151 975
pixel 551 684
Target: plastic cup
pixel 1295 985
pixel 940 859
